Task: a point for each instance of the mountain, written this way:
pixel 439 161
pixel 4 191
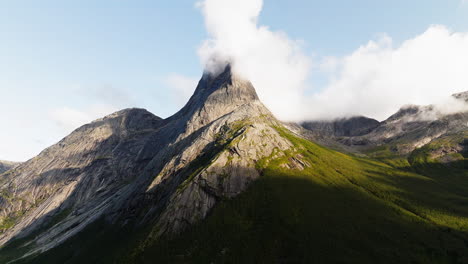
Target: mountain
pixel 414 126
pixel 343 127
pixel 135 165
pixel 410 128
pixel 223 181
pixel 6 165
pixel 74 181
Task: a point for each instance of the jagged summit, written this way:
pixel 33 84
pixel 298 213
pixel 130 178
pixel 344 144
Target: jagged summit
pixel 134 165
pixel 409 112
pixel 122 185
pixel 229 88
pixel 217 95
pixel 130 118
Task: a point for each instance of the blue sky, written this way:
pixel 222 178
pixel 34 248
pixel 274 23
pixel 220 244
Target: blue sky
pixel 96 56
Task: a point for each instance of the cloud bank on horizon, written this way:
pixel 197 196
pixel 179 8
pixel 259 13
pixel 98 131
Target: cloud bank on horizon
pixel 375 80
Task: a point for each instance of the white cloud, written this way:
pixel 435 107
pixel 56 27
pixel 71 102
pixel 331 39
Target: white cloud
pixel 273 62
pixel 182 86
pixel 375 80
pixel 378 78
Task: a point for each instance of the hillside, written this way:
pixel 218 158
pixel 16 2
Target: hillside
pixel 223 181
pixel 329 208
pixel 6 165
pixel 134 167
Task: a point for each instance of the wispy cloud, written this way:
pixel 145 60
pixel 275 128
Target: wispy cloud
pixel 272 61
pixel 374 80
pixel 378 78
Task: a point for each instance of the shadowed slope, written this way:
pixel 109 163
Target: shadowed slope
pixel 134 167
pixel 223 181
pixel 6 165
pixel 310 205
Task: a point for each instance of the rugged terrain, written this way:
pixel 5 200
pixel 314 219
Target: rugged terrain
pixel 223 181
pixel 134 165
pixel 6 165
pixel 410 128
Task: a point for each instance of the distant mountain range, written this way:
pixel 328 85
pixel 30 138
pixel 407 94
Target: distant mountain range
pixel 401 133
pixel 223 181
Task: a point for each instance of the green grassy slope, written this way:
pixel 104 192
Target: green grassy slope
pixel 340 209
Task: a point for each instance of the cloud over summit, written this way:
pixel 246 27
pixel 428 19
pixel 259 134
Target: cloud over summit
pixel 375 80
pixel 273 62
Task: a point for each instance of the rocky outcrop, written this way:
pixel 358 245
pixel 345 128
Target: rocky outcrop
pixel 134 167
pixel 408 129
pixel 75 179
pixel 6 165
pixel 226 129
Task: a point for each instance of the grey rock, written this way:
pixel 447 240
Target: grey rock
pixel 7 165
pixel 79 175
pixel 408 129
pixel 134 167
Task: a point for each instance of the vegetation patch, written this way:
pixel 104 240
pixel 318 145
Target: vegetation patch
pixel 341 209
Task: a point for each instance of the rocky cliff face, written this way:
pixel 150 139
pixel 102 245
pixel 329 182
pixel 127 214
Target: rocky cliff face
pixel 6 165
pixel 415 126
pixel 75 179
pixel 132 168
pixel 135 167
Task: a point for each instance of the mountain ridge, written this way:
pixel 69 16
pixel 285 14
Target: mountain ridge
pixel 411 127
pixel 81 178
pixel 219 170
